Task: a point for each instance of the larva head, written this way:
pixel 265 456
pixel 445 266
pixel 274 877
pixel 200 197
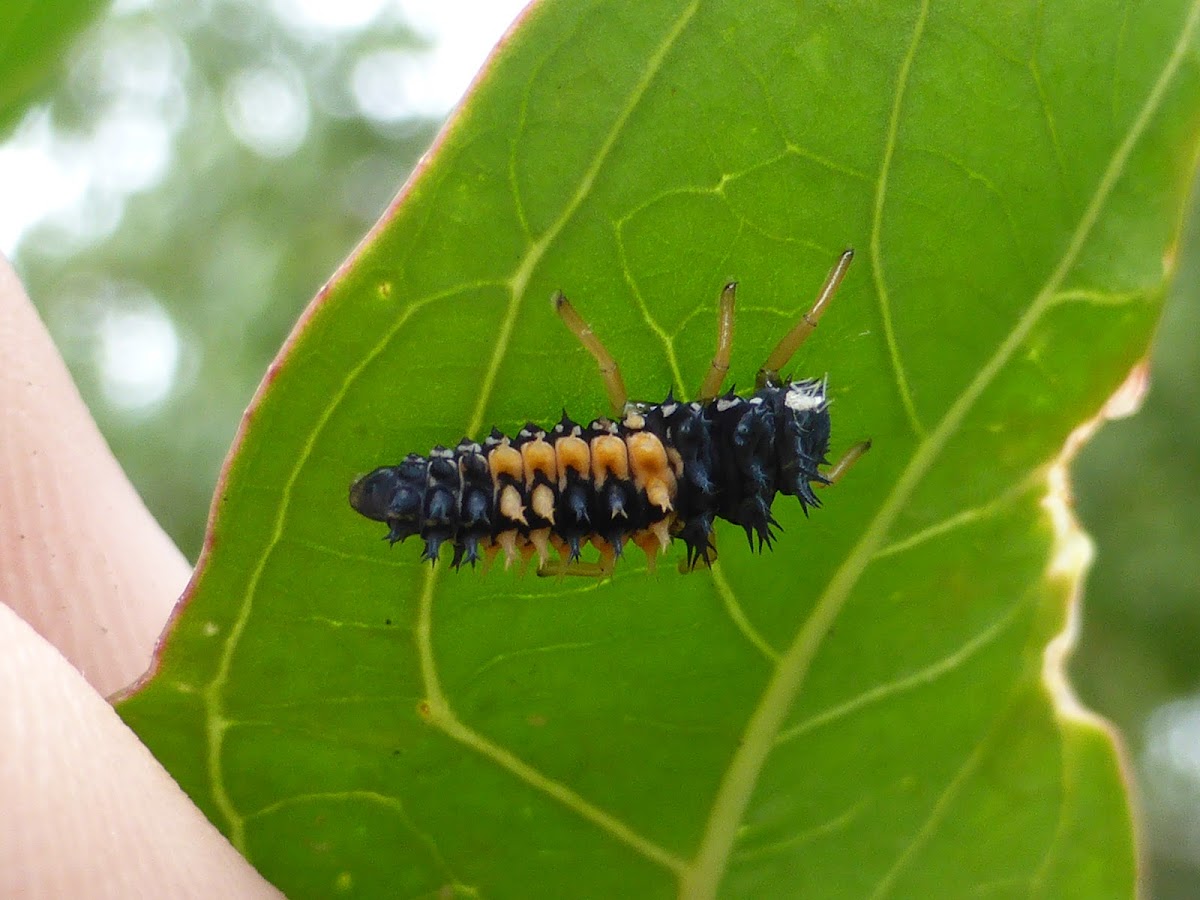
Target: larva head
pixel 371 495
pixel 392 493
pixel 802 438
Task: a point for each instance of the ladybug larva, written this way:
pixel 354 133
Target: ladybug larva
pixel 655 473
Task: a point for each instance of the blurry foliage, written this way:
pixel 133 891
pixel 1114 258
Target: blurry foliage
pixel 231 244
pixel 33 34
pixel 234 245
pixel 1136 487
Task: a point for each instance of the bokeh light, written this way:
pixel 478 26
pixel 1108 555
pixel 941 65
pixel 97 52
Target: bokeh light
pixel 137 350
pixel 267 109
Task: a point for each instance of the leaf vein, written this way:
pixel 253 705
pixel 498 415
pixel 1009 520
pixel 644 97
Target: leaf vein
pixel 881 186
pixel 1104 298
pixel 667 341
pixel 964 518
pixel 936 814
pixel 834 825
pixel 734 608
pixel 442 716
pixel 920 678
pixel 384 801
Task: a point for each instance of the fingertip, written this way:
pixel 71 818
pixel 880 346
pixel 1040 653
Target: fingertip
pixel 85 563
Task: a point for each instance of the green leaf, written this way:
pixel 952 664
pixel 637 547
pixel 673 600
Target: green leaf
pixel 33 36
pixel 874 709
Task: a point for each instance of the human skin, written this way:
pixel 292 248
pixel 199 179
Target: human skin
pixel 87 580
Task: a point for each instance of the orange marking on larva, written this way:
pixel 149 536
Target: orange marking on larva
pixel 511 506
pixel 538 456
pixel 506 460
pixel 540 539
pixel 659 495
pixel 490 549
pixel 609 457
pixel 572 453
pixel 526 550
pixel 607 554
pixel 662 531
pixel 676 461
pixel 651 469
pixel 635 421
pixel 649 544
pixel 507 541
pixel 561 546
pixel 541 501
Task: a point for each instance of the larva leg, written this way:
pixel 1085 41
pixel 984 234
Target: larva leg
pixel 842 466
pixel 720 363
pixel 786 348
pixel 609 370
pixel 706 560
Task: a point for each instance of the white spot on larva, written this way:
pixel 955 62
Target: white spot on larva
pixel 756 401
pixel 803 396
pixel 723 405
pixel 210 629
pixel 669 409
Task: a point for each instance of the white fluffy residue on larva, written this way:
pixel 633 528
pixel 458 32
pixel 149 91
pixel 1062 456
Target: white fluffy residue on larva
pixel 803 396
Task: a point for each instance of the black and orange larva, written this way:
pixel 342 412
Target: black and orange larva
pixel 660 471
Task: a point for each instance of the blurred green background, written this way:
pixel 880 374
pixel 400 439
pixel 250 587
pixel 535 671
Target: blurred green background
pixel 189 172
